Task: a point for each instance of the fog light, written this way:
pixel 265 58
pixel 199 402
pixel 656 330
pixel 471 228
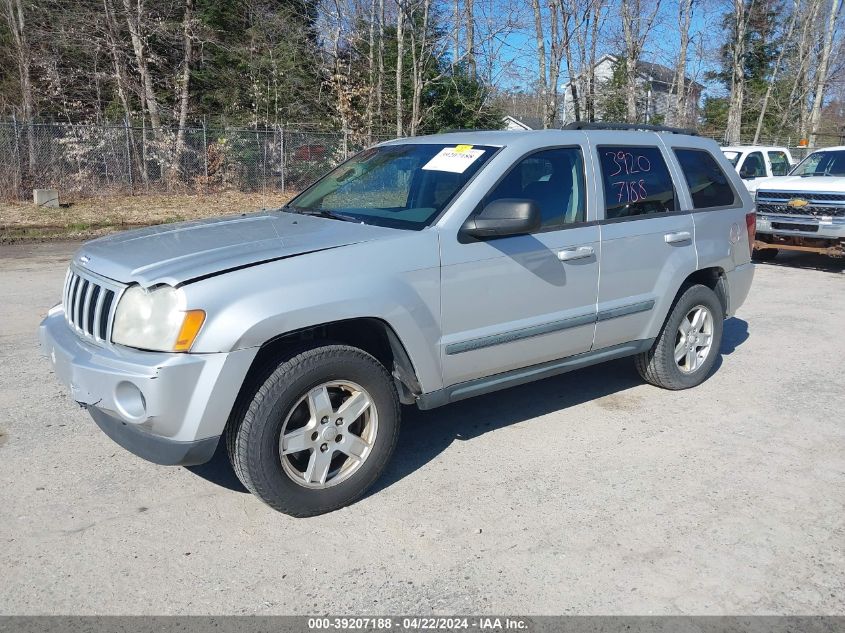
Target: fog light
pixel 130 401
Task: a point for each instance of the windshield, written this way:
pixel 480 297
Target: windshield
pixel 823 163
pixel 400 186
pixel 732 157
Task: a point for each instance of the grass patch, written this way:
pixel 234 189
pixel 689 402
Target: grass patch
pixel 91 217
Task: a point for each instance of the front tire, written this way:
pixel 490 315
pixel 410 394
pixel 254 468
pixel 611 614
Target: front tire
pixel 688 345
pixel 318 432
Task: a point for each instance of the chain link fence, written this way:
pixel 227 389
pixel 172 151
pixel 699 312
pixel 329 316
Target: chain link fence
pixel 82 160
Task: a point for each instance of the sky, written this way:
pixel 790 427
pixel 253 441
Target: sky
pixel 516 63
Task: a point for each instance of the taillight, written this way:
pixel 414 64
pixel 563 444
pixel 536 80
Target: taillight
pixel 751 224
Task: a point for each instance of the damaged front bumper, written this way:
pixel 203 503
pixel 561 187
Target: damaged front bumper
pixel 815 234
pixel 167 408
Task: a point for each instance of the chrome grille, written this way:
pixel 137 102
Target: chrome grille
pixel 789 195
pixel 809 210
pixel 89 303
pixel 819 203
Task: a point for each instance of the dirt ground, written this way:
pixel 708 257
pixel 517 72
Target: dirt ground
pixel 90 217
pixel 587 493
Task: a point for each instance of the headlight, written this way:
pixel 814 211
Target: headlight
pixel 156 319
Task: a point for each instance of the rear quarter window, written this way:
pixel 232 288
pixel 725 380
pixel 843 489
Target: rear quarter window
pixel 636 181
pixel 708 185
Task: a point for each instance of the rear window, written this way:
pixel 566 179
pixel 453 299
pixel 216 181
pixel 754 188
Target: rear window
pixel 708 184
pixel 636 181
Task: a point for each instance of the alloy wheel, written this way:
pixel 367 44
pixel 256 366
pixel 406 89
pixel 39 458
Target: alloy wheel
pixel 328 434
pixel 694 339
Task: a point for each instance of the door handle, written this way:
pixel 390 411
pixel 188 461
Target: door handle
pixel 675 238
pixel 580 252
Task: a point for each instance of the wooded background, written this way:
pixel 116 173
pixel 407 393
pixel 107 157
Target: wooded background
pixel 161 70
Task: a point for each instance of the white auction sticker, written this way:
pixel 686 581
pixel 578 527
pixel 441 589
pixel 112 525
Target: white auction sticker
pixel 454 159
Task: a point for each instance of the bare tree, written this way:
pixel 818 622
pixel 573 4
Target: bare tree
pixel 185 80
pixel 135 21
pixel 494 22
pixel 739 35
pixel 469 7
pixel 786 45
pixel 380 75
pixel 400 52
pixel 420 53
pixel 549 68
pixel 822 70
pixel 799 62
pixel 637 23
pixel 113 42
pixel 595 17
pixel 456 33
pixel 685 14
pixel 371 62
pixel 14 14
pixel 583 21
pixel 541 63
pixel 340 76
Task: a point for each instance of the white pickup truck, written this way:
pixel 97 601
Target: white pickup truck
pixel 804 211
pixel 756 161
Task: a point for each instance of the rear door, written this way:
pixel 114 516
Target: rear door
pixel 779 162
pixel 716 200
pixel 647 236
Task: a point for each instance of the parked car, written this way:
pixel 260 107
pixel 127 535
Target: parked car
pixel 421 271
pixel 756 161
pixel 804 211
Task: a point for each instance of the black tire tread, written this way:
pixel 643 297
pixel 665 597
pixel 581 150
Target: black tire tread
pixel 651 364
pixel 271 389
pixel 242 404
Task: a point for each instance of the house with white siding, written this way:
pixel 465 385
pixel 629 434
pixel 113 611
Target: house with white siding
pixel 656 97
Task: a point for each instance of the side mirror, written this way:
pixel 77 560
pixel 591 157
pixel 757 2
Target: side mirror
pixel 746 174
pixel 501 218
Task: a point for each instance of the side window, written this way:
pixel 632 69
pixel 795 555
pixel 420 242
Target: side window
pixel 554 179
pixel 636 181
pixel 753 166
pixel 780 163
pixel 708 185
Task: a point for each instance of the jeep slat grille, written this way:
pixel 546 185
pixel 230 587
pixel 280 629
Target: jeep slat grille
pixel 89 305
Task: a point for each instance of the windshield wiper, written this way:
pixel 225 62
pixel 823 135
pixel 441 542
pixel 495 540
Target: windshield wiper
pixel 323 213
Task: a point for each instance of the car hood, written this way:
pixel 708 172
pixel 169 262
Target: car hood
pixel 177 253
pixel 798 184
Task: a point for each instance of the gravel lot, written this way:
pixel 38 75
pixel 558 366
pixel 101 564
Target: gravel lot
pixel 587 493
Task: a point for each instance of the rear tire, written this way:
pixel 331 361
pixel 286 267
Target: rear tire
pixel 318 431
pixel 680 360
pixel 764 254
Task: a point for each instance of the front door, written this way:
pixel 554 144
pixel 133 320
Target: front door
pixel 522 300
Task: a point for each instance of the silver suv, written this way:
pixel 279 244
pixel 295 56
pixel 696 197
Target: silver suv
pixel 421 271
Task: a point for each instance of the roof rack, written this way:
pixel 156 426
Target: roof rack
pixel 588 125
